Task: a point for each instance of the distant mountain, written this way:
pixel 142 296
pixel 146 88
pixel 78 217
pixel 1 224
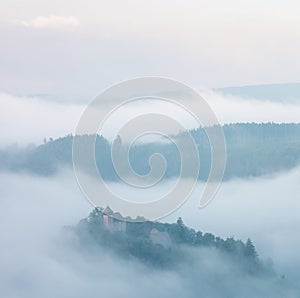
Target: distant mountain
pixel 272 92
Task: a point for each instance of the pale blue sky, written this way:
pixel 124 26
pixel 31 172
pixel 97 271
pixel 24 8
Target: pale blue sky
pixel 75 48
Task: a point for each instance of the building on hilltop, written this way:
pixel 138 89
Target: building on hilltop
pixel 161 238
pixel 113 221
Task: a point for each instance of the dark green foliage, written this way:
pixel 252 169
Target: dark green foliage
pixel 252 150
pixel 249 250
pixel 135 242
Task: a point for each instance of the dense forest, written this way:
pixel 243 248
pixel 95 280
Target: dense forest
pixel 163 245
pixel 252 150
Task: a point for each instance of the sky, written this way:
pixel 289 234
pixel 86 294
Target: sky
pixel 74 50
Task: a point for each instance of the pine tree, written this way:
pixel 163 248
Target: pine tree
pixel 250 251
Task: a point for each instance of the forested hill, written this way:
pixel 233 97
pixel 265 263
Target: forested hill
pixel 164 245
pixel 252 150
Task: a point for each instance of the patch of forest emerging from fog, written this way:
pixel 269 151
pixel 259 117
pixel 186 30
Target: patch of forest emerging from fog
pixel 164 245
pixel 252 150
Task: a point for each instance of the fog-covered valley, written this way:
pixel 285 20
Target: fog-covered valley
pixel 149 149
pixel 41 206
pixel 39 259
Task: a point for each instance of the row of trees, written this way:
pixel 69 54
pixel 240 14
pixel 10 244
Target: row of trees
pixel 252 150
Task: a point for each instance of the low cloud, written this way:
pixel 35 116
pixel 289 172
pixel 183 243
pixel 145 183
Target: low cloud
pixel 230 109
pixel 266 209
pixel 37 262
pixel 30 119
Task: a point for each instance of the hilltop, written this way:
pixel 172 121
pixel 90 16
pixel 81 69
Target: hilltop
pixel 164 245
pixel 253 150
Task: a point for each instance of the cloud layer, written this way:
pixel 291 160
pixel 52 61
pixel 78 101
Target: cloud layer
pixel 37 262
pixel 51 21
pixel 29 119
